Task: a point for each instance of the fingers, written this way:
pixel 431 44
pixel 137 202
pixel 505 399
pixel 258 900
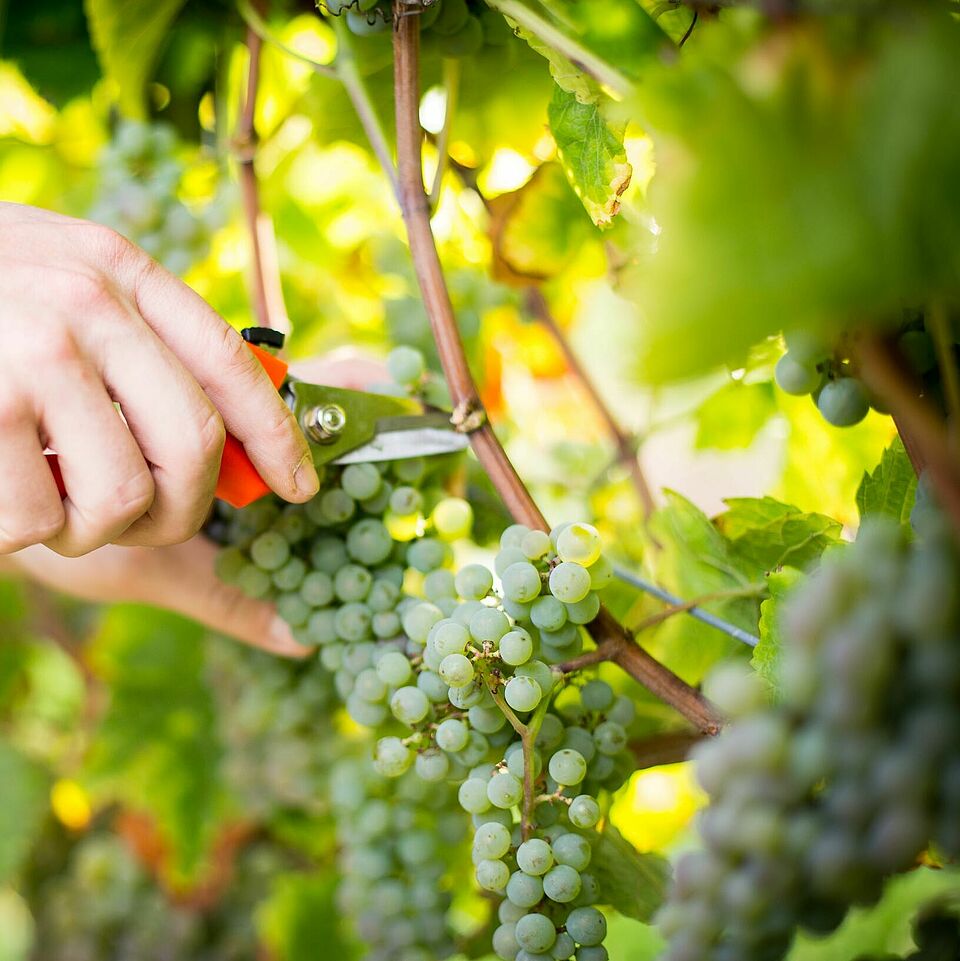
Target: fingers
pixel 183 579
pixel 106 477
pixel 179 431
pixel 30 506
pixel 239 388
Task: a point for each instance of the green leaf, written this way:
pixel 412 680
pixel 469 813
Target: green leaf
pixel 633 883
pixel 766 655
pixel 156 747
pixel 765 534
pixel 128 35
pixel 592 153
pixel 696 559
pixel 733 416
pixel 891 488
pixel 300 914
pixel 25 790
pixel 885 927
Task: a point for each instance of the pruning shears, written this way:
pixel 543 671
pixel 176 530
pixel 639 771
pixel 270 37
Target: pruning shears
pixel 341 426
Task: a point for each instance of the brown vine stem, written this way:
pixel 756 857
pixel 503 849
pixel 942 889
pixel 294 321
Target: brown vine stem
pixel 415 209
pixel 671 747
pixel 538 307
pixel 267 292
pixel 923 431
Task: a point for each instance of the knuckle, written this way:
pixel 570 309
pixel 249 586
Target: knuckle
pixel 210 437
pixel 38 528
pixel 129 499
pixel 110 249
pixel 89 291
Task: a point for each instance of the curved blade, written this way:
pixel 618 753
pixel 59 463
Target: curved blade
pixel 401 444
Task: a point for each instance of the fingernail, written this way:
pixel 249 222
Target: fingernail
pixel 306 477
pixel 280 640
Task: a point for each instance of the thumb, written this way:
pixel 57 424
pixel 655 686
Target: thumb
pixel 185 581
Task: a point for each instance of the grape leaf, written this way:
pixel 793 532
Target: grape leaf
pixel 765 534
pixel 537 230
pixel 156 747
pixel 696 559
pixel 631 882
pixel 592 153
pixel 885 927
pixel 128 35
pixel 734 415
pixel 25 786
pixel 766 655
pixel 891 488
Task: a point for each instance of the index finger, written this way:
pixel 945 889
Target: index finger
pixel 233 379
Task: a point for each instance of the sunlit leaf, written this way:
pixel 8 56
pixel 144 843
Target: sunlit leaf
pixel 591 151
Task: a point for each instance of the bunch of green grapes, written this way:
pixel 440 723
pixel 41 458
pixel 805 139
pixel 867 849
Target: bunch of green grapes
pixel 453 28
pixel 269 710
pixel 813 365
pixel 395 842
pixel 818 799
pixel 445 666
pixel 140 173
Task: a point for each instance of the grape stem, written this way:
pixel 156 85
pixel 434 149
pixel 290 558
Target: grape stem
pixel 581 58
pixel 451 84
pixel 923 431
pixel 415 209
pixel 267 293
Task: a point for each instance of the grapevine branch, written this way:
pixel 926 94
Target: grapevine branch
pixel 415 209
pixel 267 292
pixel 671 747
pixel 923 431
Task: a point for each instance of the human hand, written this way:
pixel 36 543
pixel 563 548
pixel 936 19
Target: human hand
pixel 181 577
pixel 89 320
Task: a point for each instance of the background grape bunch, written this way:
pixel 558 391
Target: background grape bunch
pixel 450 28
pixel 818 798
pixel 141 170
pixel 814 365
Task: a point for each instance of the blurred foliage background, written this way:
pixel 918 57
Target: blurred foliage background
pixel 164 792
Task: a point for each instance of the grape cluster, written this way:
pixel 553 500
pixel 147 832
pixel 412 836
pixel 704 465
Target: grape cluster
pixel 395 839
pixel 814 366
pixel 453 28
pixel 816 800
pixel 269 710
pixel 448 672
pixel 140 172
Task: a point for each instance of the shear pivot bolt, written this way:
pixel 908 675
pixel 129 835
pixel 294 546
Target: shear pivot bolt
pixel 323 424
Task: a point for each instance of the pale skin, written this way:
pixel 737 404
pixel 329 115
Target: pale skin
pixel 89 320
